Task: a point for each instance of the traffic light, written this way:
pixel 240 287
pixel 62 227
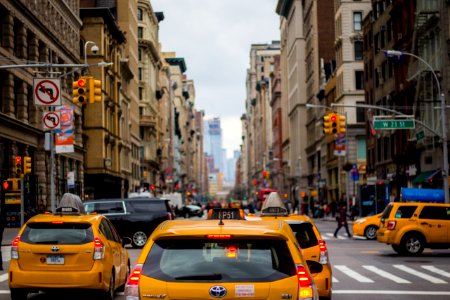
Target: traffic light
pixel 18 166
pixel 80 90
pixel 342 123
pixel 328 121
pixel 26 165
pixel 95 91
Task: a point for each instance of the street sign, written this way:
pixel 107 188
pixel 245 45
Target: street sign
pixel 51 120
pixel 46 91
pixel 394 124
pixel 420 135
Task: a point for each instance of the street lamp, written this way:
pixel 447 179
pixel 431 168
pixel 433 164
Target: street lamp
pixel 396 53
pixel 94 49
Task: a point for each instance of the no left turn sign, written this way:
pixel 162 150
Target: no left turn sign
pixel 51 120
pixel 46 91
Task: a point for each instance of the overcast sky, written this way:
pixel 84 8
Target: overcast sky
pixel 214 38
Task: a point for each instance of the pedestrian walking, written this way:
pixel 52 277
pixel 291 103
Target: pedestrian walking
pixel 342 219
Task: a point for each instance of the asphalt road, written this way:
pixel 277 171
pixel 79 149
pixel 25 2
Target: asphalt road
pixel 361 269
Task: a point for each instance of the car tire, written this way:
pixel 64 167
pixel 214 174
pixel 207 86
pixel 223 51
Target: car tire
pixel 371 232
pixel 109 294
pixel 19 294
pixel 139 239
pixel 412 244
pixel 127 273
pixel 397 249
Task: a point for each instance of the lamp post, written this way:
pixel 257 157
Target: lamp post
pixel 396 53
pixel 94 49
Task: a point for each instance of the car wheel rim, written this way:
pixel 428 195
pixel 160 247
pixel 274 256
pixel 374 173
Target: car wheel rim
pixel 139 238
pixel 371 232
pixel 413 245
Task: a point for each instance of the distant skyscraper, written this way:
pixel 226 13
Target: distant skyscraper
pixel 213 141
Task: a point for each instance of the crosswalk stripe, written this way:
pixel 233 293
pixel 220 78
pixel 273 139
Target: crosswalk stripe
pixel 437 271
pixel 3 277
pixel 347 271
pixel 419 274
pixel 385 274
pixel 335 279
pixel 330 236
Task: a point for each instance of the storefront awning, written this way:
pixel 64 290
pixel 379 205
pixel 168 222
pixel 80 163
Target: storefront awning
pixel 425 176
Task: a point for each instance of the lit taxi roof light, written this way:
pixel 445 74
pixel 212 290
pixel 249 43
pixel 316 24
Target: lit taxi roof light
pixel 219 236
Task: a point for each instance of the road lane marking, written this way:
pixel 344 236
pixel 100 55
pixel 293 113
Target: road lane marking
pixel 419 274
pixel 335 279
pixel 353 274
pixel 3 277
pixel 385 274
pixel 390 292
pixel 437 271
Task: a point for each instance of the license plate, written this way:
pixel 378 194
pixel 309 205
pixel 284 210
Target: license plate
pixel 55 260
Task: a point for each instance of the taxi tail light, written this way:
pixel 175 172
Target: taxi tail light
pixel 132 285
pixel 304 283
pixel 323 252
pixel 391 225
pixel 15 248
pixel 99 249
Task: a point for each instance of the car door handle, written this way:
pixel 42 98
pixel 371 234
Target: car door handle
pixel 424 223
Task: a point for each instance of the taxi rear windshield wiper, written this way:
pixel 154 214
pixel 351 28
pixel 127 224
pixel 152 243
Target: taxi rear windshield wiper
pixel 214 276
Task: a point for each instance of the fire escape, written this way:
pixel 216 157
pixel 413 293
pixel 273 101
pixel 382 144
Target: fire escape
pixel 426 45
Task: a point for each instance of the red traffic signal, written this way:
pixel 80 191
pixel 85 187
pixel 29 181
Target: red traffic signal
pixel 255 182
pixel 152 187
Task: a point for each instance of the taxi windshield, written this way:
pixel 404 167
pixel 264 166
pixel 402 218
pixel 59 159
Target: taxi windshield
pixel 50 233
pixel 230 260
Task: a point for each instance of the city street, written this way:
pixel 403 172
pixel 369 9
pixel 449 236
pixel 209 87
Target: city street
pixel 361 268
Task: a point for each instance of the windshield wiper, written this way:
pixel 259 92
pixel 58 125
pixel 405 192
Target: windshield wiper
pixel 214 276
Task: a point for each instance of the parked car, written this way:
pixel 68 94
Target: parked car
pixel 207 259
pixel 135 218
pixel 191 210
pixel 68 250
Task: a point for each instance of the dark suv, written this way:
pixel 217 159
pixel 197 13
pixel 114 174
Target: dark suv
pixel 135 218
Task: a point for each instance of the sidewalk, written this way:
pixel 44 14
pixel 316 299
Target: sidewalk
pixel 9 234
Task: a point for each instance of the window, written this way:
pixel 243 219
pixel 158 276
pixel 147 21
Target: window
pixel 435 213
pixel 359 80
pixel 140 14
pixel 405 212
pixel 360 113
pixel 140 54
pixel 51 234
pixel 358 50
pixel 140 32
pixel 140 74
pixel 305 235
pixel 357 21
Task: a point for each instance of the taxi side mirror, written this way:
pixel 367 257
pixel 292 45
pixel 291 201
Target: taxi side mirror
pixel 314 266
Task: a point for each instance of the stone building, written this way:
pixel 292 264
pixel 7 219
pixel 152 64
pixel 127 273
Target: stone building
pixel 37 33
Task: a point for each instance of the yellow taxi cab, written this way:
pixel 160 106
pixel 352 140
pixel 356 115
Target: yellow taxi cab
pixel 308 236
pixel 67 250
pixel 227 259
pixel 367 227
pixel 409 227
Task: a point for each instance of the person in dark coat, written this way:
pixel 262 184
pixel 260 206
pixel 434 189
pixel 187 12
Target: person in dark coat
pixel 342 220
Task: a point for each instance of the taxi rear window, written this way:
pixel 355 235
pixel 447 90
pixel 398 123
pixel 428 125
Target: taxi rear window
pixel 61 234
pixel 230 260
pixel 305 235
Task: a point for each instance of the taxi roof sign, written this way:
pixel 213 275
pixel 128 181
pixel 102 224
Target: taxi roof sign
pixel 273 206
